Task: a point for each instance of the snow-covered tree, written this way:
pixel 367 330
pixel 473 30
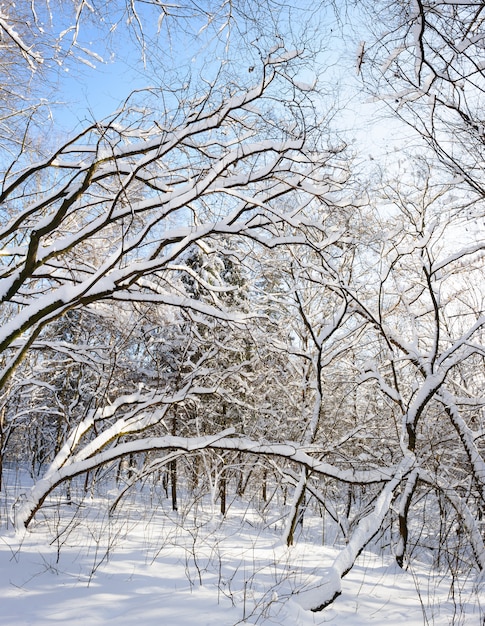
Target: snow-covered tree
pixel 192 286
pixel 126 199
pixel 424 330
pixel 425 60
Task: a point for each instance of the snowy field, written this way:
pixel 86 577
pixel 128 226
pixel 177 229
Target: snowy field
pixel 146 565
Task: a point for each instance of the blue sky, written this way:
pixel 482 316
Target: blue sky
pixel 106 64
pixel 89 93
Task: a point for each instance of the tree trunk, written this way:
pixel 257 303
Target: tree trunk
pixel 173 484
pixel 295 513
pixel 223 492
pixel 403 517
pixel 173 467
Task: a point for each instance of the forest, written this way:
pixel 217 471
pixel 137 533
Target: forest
pixel 245 305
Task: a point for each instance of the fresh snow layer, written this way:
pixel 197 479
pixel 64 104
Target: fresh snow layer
pixel 147 565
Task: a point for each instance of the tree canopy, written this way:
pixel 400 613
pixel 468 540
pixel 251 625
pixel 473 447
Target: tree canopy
pixel 210 273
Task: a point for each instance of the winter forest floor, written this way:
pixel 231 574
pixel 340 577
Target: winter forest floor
pixel 146 565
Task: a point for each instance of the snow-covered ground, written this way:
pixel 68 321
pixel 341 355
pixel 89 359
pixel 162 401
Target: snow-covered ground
pixel 145 565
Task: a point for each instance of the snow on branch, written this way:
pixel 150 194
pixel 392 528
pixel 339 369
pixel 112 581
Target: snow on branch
pixel 119 192
pixel 93 457
pixel 331 586
pixel 32 57
pixel 469 520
